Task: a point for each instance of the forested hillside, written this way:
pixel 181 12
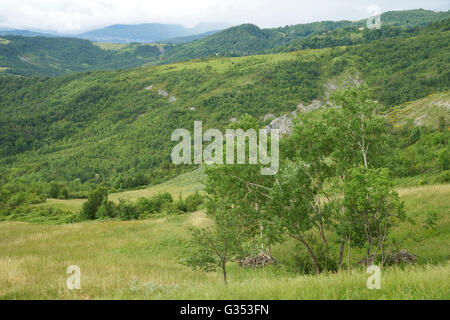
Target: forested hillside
pixel 39 56
pixel 114 127
pixel 249 39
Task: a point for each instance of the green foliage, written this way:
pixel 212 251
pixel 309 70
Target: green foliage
pixel 212 248
pixel 92 205
pixel 41 215
pixel 421 150
pixel 193 202
pixel 127 211
pixel 372 207
pixel 19 195
pixel 108 210
pixel 104 127
pixel 41 56
pixel 444 177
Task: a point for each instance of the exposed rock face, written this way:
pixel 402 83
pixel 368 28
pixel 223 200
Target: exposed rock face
pixel 350 81
pixel 284 124
pixel 233 120
pixel 442 104
pixel 315 104
pixel 260 261
pixel 172 99
pixel 420 120
pixel 269 116
pixel 163 93
pixel 148 88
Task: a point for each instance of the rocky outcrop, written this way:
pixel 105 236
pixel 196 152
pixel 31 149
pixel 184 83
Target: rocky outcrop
pixel 284 124
pixel 315 105
pixel 163 93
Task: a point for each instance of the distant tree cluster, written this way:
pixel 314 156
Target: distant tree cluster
pixel 99 207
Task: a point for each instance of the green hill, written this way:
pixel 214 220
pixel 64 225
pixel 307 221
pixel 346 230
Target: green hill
pixel 114 128
pixel 249 39
pixel 40 56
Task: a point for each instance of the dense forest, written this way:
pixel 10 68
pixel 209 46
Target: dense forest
pixel 46 57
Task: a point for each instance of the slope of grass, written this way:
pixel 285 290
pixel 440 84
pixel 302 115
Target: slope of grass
pixel 423 112
pixel 140 260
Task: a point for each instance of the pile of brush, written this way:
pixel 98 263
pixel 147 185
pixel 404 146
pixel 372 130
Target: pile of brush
pixel 259 261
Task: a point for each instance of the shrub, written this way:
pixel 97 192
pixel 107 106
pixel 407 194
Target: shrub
pixel 161 199
pixel 42 215
pixel 107 210
pixel 95 200
pixel 193 202
pixel 444 177
pixel 181 205
pixel 127 210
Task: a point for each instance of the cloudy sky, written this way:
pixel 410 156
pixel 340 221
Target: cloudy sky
pixel 73 16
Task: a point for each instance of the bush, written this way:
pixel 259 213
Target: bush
pixel 154 204
pixel 107 210
pixel 193 202
pixel 181 205
pixel 42 215
pixel 127 210
pixel 95 200
pixel 444 177
pixel 162 199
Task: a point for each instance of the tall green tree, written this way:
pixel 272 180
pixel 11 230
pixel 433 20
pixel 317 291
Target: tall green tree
pixel 243 186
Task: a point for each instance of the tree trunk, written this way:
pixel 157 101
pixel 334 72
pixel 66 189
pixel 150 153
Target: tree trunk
pixel 261 229
pixel 349 250
pixel 311 254
pixel 341 253
pixel 224 270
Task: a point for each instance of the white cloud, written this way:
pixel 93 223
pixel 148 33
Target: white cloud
pixel 80 15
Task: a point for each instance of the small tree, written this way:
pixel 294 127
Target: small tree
pixel 372 206
pixel 212 248
pixel 95 200
pixel 107 210
pixel 127 210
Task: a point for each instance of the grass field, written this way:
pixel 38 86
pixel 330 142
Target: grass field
pixel 140 260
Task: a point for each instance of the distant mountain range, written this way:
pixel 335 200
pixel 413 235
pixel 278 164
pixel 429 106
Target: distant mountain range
pixel 120 33
pixel 149 32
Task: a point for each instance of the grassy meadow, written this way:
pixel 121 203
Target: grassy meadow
pixel 141 259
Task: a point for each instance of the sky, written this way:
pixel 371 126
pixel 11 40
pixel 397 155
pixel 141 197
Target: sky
pixel 76 16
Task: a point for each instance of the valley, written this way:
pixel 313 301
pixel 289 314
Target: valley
pixel 87 178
